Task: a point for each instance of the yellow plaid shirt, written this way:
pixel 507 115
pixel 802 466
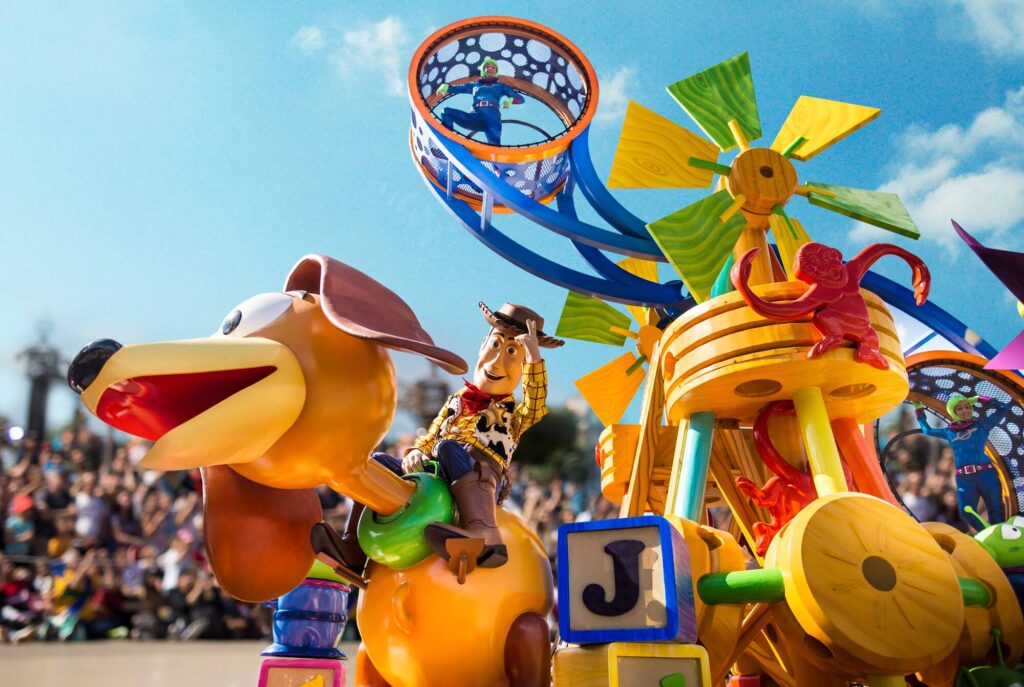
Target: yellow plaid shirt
pixel 494 431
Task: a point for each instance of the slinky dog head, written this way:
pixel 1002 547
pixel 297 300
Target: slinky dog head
pixel 294 390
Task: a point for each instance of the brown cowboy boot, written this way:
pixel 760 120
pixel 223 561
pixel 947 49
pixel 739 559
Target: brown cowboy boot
pixel 343 548
pixel 475 496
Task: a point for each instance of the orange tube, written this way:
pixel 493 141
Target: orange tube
pixel 862 460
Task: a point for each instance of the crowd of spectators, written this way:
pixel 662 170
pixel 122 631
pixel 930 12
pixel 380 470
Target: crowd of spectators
pixel 922 469
pixel 96 547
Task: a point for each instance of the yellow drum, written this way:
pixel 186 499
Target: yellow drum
pixel 870 590
pixel 723 357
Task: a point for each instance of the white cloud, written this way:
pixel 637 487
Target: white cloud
pixel 612 100
pixel 308 39
pixel 972 173
pixel 380 48
pixel 998 24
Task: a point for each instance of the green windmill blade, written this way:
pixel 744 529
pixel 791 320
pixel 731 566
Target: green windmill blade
pixel 718 95
pixel 697 239
pixel 883 210
pixel 585 318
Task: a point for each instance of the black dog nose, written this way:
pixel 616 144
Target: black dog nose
pixel 90 360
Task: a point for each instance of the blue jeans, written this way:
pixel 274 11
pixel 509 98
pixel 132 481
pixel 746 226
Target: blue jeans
pixel 452 457
pixel 982 485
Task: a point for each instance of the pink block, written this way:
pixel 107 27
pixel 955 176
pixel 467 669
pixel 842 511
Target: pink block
pixel 334 667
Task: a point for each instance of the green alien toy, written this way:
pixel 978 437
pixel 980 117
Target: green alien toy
pixel 1005 543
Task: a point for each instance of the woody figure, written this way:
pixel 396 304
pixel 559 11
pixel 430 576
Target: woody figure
pixel 473 438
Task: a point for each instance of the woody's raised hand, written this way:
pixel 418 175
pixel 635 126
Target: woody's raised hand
pixel 530 343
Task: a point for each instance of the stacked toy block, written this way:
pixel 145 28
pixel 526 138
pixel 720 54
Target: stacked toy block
pixel 625 598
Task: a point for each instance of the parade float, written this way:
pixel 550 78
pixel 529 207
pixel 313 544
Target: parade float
pixel 759 540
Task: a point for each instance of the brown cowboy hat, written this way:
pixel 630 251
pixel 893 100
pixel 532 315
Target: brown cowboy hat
pixel 512 318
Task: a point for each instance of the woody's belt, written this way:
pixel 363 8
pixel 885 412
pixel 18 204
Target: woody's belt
pixel 484 103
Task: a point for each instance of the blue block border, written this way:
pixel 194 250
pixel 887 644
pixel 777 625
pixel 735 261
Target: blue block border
pixel 665 533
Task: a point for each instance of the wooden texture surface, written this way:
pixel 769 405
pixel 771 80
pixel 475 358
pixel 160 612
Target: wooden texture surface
pixel 618 444
pixel 764 178
pixel 654 152
pixel 651 413
pixel 822 122
pixel 586 318
pixel 884 210
pixel 733 455
pixel 696 241
pixel 970 560
pixel 610 388
pixel 723 357
pixel 713 550
pixel 718 95
pixel 869 585
pixel 788 237
pixel 632 664
pixel 645 269
pixel 589 564
pixel 625 580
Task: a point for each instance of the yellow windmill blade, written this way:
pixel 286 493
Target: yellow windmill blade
pixel 789 236
pixel 814 124
pixel 645 269
pixel 654 152
pixel 610 388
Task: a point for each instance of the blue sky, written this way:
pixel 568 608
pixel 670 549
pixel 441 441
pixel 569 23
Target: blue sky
pixel 160 162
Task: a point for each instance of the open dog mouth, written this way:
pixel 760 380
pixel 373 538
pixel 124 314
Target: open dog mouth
pixel 151 406
pixel 493 378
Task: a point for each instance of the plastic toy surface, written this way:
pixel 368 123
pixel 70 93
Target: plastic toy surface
pixel 834 301
pixel 294 391
pixel 1004 541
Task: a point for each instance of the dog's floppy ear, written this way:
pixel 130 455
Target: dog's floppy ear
pixel 365 308
pixel 257 537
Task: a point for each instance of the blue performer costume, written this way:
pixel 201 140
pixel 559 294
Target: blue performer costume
pixel 976 476
pixel 488 93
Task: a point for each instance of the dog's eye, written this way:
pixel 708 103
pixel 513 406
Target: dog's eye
pixel 255 314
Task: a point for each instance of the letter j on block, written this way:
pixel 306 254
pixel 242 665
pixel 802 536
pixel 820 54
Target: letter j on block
pixel 624 580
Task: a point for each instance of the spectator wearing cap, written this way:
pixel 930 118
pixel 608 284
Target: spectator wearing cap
pixel 19 528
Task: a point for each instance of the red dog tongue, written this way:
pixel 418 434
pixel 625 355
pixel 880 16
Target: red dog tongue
pixel 257 537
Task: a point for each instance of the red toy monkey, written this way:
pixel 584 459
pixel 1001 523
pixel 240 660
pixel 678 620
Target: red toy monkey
pixel 834 298
pixel 784 495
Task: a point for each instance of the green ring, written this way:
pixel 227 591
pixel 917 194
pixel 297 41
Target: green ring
pixel 396 540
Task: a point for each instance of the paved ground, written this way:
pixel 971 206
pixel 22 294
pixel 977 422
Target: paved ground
pixel 134 664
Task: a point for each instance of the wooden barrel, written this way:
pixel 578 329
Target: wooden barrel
pixel 724 358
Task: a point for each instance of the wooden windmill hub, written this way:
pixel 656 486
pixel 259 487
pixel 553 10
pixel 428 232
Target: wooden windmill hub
pixel 724 358
pixel 764 178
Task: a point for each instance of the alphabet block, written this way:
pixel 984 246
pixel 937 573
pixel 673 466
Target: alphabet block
pixel 625 580
pixel 302 672
pixel 632 664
